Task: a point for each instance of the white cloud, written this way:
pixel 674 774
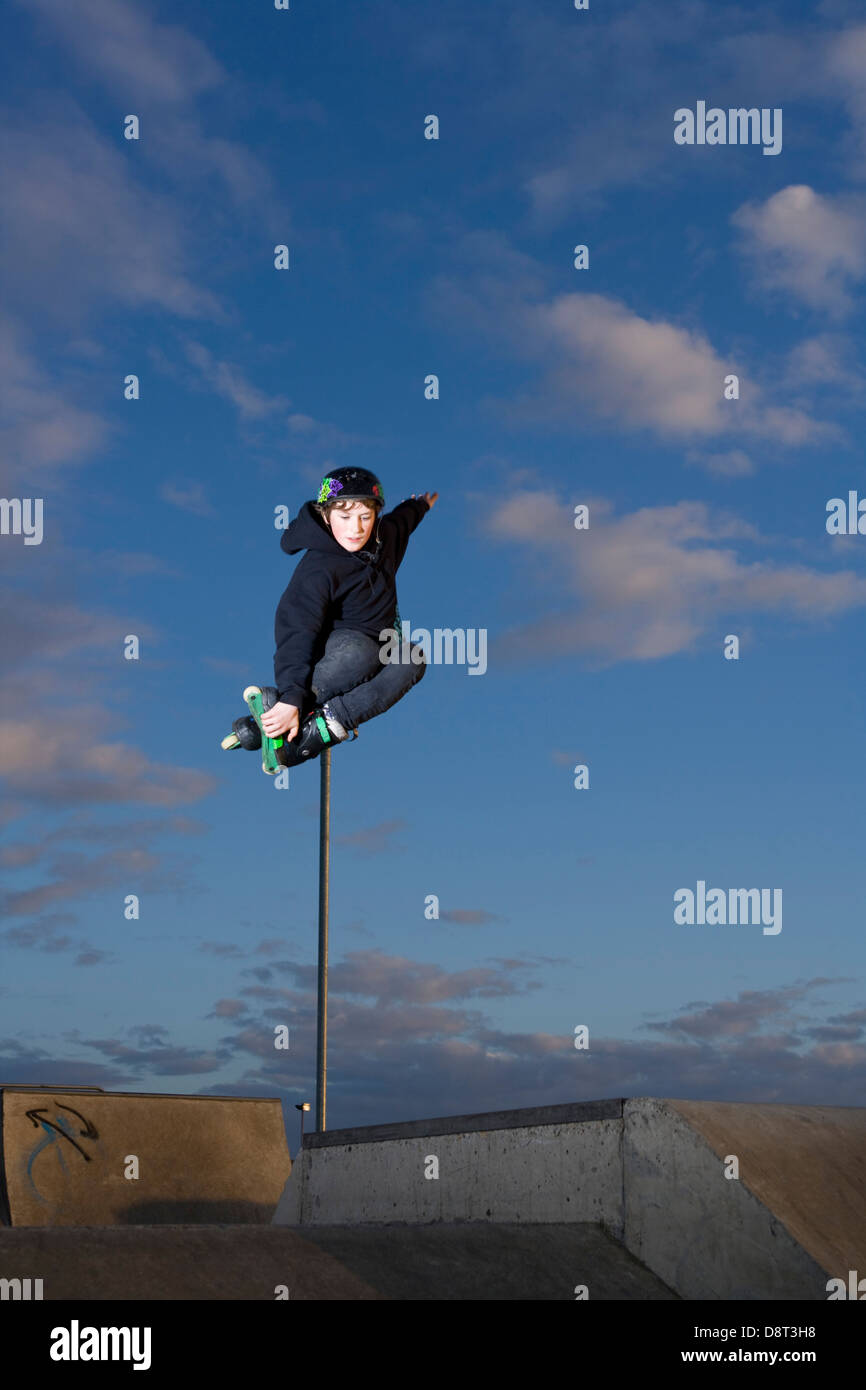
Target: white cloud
pixel 230 382
pixel 602 357
pixel 129 49
pixel 844 69
pixel 189 496
pixel 811 246
pixel 71 200
pixel 825 360
pixel 158 71
pixel 646 372
pixel 53 756
pixel 731 463
pixel 42 428
pixel 651 583
pixel 600 360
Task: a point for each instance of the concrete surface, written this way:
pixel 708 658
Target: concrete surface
pixel 438 1262
pixel 650 1172
pixel 65 1153
pixel 480 1262
pixel 707 1236
pixel 550 1174
pixel 806 1163
pixel 629 1197
pixel 174 1262
pixel 550 1164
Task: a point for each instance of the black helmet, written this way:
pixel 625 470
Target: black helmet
pixel 351 484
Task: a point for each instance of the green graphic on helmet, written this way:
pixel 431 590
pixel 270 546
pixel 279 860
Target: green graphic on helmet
pixel 330 488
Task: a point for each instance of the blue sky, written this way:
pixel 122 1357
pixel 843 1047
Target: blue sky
pixel 605 647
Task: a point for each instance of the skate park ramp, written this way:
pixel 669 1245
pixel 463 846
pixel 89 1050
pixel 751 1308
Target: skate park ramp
pixel 439 1262
pixel 624 1199
pixel 78 1156
pixel 718 1200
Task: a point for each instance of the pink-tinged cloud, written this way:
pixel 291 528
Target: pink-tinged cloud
pixel 60 762
pixel 651 583
pixel 596 358
pixel 651 373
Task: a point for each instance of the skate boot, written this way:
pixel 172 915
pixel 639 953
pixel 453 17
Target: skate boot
pixel 320 729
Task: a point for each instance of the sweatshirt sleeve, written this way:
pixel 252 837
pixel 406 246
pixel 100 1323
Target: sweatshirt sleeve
pixel 299 620
pixel 403 519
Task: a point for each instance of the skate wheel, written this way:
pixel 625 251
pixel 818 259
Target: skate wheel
pixel 252 690
pixel 247 733
pixel 231 741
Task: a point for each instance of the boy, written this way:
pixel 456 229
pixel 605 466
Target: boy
pixel 339 603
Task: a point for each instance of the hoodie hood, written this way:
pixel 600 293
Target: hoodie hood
pixel 309 532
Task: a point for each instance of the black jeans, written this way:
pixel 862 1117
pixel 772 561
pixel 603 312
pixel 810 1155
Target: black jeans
pixel 354 681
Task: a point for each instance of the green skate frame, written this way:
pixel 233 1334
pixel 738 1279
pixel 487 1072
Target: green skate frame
pixel 270 761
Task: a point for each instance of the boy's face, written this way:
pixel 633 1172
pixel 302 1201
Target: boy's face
pixel 352 525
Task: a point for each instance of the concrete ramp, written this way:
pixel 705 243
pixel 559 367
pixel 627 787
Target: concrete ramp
pixel 793 1219
pixel 171 1263
pixel 477 1262
pixel 78 1157
pixel 441 1262
pixel 806 1164
pixel 717 1200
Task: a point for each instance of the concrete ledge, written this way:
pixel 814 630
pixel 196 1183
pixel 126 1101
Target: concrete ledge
pixel 579 1112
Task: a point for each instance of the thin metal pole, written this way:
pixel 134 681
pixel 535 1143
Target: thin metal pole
pixel 324 865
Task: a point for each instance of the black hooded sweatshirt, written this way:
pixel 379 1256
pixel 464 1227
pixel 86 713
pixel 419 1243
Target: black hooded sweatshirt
pixel 333 588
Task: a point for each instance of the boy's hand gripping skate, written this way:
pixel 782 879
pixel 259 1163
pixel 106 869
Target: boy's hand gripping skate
pixel 248 732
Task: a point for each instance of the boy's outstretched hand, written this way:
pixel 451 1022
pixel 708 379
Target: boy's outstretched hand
pixel 281 719
pixel 427 498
